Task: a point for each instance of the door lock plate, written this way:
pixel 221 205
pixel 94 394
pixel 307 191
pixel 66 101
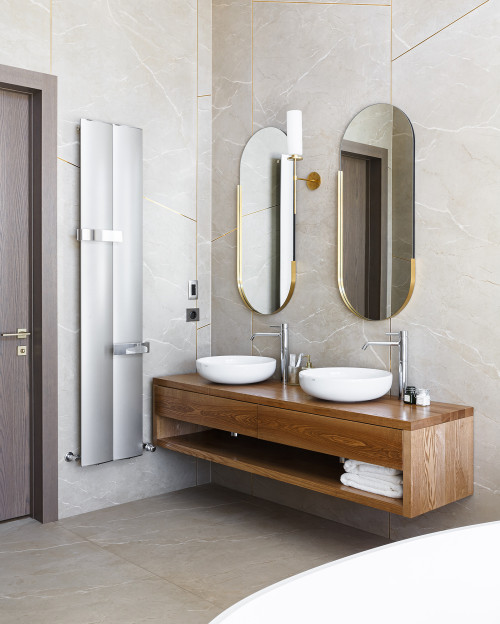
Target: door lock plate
pixel 22 350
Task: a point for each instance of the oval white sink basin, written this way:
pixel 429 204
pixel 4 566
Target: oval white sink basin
pixel 348 385
pixel 236 369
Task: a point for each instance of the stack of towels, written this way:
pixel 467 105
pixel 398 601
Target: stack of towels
pixel 372 478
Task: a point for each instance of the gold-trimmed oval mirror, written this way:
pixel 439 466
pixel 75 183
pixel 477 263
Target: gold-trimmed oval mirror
pixel 266 228
pixel 376 220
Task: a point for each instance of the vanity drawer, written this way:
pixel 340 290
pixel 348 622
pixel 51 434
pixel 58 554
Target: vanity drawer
pixel 334 436
pixel 206 410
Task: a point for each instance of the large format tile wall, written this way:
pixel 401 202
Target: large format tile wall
pixel 441 65
pixel 145 65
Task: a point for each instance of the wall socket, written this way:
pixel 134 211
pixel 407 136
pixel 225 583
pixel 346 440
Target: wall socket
pixel 192 314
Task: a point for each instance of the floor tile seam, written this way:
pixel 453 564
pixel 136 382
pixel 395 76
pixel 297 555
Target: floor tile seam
pixel 30 550
pixel 146 515
pixel 64 592
pixel 214 601
pixel 166 580
pixel 199 540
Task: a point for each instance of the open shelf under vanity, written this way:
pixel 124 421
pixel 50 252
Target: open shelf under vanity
pixel 285 434
pixel 307 469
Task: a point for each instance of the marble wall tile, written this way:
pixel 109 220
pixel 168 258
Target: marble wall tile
pixel 204 47
pixel 452 317
pixel 336 63
pixel 448 86
pixel 232 125
pixel 25 34
pixel 355 2
pixel 169 263
pixel 232 104
pixel 204 341
pixel 68 312
pixel 136 65
pixel 232 478
pixel 231 320
pixel 203 472
pixel 204 200
pixel 413 22
pixel 142 66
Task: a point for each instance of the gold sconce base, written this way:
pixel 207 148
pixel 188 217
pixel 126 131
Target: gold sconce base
pixel 313 180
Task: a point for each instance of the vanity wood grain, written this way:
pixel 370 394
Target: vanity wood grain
pixel 332 436
pixel 210 411
pixel 386 411
pixel 296 438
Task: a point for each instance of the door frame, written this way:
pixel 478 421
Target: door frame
pixel 44 397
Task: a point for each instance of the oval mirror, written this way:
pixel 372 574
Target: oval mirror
pixel 266 263
pixel 376 226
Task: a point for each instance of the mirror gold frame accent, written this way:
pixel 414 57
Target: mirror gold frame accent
pixel 340 263
pixel 239 261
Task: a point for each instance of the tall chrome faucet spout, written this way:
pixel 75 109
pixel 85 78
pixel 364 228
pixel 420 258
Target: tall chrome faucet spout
pixel 385 343
pixel 283 336
pixel 402 345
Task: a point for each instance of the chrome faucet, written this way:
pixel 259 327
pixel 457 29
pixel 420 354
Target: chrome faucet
pixel 283 336
pixel 402 345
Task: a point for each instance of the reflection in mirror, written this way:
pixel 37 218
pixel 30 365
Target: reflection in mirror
pixel 376 213
pixel 266 267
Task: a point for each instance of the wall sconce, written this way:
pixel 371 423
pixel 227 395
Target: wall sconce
pixel 294 139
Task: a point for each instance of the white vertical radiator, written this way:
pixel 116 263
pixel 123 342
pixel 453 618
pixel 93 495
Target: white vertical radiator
pixel 111 292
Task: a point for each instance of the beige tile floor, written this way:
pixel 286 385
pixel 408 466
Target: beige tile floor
pixel 179 558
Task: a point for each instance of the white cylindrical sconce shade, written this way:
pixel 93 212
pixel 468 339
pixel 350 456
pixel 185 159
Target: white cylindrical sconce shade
pixel 294 132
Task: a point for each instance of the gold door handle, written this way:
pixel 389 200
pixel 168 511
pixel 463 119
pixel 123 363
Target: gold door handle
pixel 21 333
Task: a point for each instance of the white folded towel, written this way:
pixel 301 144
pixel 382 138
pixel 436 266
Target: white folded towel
pixel 372 484
pixel 354 466
pixel 394 479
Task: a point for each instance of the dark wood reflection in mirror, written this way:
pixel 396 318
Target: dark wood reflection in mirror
pixel 376 213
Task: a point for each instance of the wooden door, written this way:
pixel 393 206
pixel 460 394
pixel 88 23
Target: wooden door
pixel 355 227
pixel 363 232
pixel 15 304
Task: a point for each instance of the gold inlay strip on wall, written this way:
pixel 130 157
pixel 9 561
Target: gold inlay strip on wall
pixel 257 211
pixel 153 201
pixel 203 326
pixel 441 29
pixel 222 235
pixel 68 162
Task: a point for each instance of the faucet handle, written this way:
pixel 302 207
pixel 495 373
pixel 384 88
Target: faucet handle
pixel 392 333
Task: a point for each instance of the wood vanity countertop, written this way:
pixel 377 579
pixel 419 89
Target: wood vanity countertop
pixel 386 411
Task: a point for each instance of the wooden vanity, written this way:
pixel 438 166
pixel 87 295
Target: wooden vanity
pixel 287 435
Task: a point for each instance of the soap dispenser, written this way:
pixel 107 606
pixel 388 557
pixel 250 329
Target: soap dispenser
pixel 307 363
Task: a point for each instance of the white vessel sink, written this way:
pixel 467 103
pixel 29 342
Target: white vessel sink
pixel 348 385
pixel 236 369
